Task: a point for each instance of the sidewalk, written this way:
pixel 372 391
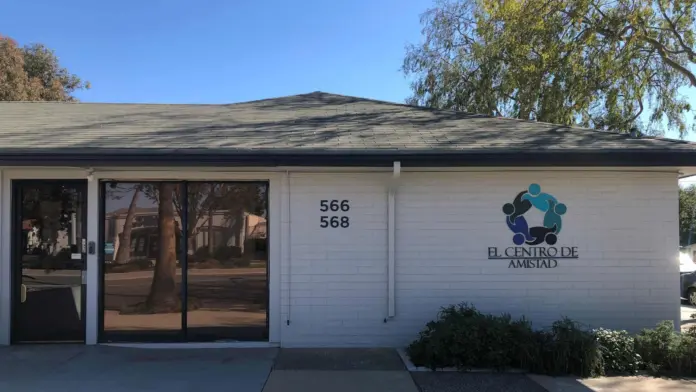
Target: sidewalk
pixel 66 368
pixel 339 370
pixel 614 384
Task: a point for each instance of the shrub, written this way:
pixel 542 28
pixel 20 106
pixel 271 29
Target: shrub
pixel 463 337
pixel 654 346
pixel 566 348
pixel 618 351
pixel 683 357
pixel 666 351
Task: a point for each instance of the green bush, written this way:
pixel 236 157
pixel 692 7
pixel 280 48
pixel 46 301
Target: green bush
pixel 463 337
pixel 665 351
pixel 618 351
pixel 566 348
pixel 655 345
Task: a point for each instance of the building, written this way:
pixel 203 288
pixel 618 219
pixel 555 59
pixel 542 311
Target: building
pixel 323 220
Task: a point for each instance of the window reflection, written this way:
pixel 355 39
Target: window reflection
pixel 49 297
pixel 227 261
pixel 226 236
pixel 142 270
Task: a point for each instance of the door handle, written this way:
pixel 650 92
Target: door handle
pixel 23 293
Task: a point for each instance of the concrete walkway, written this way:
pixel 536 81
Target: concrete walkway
pixel 614 384
pixel 78 368
pixel 106 369
pixel 339 370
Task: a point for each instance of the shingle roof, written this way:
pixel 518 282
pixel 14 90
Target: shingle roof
pixel 315 123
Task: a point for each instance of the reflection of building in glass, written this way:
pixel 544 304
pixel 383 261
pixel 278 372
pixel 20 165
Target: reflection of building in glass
pixel 243 234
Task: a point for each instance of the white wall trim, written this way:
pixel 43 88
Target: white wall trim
pixel 93 279
pixel 274 258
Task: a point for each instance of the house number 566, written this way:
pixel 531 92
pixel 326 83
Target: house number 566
pixel 334 206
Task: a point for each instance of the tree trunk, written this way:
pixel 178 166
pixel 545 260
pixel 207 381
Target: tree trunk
pixel 239 228
pixel 211 245
pixel 163 295
pixel 124 245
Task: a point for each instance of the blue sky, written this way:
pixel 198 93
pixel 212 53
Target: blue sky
pixel 222 51
pixel 178 51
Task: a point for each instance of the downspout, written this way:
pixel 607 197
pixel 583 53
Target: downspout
pixel 289 245
pixel 391 233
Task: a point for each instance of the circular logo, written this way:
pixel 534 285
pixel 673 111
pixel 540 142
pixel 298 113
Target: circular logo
pixel 544 202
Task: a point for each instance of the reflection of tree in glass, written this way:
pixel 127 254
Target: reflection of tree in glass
pixel 234 200
pixel 163 295
pixel 115 192
pixel 49 209
pixel 204 199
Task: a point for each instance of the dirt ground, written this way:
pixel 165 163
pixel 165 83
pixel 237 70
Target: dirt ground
pixel 218 298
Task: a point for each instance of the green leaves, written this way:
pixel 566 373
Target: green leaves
pixel 596 63
pixel 618 352
pixel 667 352
pixel 687 214
pixel 465 338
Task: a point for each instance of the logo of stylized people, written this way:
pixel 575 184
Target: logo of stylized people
pixel 524 201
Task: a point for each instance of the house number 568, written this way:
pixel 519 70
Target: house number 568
pixel 334 206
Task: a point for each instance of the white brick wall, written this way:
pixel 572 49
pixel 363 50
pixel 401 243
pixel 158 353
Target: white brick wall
pixel 334 290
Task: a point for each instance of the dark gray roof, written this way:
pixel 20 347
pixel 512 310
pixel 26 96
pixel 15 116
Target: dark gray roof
pixel 308 124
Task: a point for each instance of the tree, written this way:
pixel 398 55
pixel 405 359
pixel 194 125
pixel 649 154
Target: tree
pixel 164 296
pixel 596 63
pixel 124 243
pixel 687 215
pixel 33 73
pixel 204 198
pixel 233 198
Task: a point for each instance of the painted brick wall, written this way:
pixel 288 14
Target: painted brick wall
pixel 623 224
pixel 334 290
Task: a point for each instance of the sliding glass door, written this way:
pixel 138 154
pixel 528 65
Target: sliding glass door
pixel 185 261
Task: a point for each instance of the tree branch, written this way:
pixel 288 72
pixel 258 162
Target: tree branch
pixel 686 48
pixel 663 54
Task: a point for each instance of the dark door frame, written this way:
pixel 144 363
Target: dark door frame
pixel 16 245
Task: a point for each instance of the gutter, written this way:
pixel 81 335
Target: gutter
pixel 361 158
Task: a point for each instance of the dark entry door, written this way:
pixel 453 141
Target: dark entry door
pixel 49 230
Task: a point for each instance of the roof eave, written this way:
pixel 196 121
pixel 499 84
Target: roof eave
pixel 431 158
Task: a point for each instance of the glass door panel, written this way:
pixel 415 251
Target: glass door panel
pixel 142 269
pixel 227 261
pixel 49 260
pixel 223 260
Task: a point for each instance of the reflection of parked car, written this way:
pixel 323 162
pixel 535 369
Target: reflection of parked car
pixel 687 278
